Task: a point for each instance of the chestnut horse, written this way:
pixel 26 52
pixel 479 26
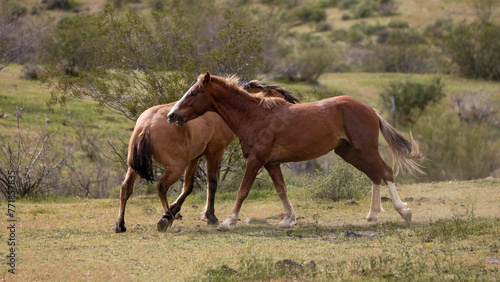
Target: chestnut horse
pixel 272 132
pixel 179 149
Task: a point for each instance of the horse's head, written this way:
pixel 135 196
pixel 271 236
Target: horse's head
pixel 194 103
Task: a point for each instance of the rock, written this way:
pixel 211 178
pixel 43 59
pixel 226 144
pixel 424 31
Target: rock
pixel 329 236
pixel 194 206
pixel 286 263
pixel 255 220
pixel 228 270
pixel 386 199
pixel 356 234
pixel 492 260
pixel 409 199
pixel 310 264
pixel 351 202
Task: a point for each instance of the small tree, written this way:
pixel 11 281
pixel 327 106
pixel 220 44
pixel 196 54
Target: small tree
pixel 474 48
pixel 136 65
pixel 407 99
pixel 67 43
pixel 237 48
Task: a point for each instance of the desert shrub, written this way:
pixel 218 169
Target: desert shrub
pixel 474 49
pixel 483 9
pixel 68 43
pixel 324 26
pixel 453 148
pixel 31 72
pixel 369 8
pixel 476 107
pixel 439 29
pixel 398 24
pixel 310 13
pixel 56 4
pixel 328 3
pixel 29 165
pixel 346 4
pixel 404 50
pixel 342 181
pixel 307 56
pixel 407 99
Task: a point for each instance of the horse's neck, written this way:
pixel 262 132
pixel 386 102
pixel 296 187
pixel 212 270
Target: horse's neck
pixel 235 108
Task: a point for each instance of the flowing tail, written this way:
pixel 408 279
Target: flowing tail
pixel 404 152
pixel 142 160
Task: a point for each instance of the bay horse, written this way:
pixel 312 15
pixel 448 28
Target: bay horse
pixel 272 132
pixel 179 150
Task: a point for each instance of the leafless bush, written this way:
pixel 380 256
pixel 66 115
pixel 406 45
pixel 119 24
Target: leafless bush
pixel 483 9
pixel 20 36
pixel 476 107
pixel 31 158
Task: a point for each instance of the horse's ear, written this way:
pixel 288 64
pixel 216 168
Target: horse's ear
pixel 206 79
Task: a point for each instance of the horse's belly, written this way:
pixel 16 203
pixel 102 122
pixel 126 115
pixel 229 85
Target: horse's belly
pixel 297 152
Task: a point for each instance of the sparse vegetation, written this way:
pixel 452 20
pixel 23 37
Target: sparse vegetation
pixel 341 182
pixel 446 241
pixel 146 52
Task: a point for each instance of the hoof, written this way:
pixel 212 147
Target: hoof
pixel 120 228
pixel 406 215
pixel 163 224
pixel 223 228
pixel 211 219
pixel 371 218
pixel 213 222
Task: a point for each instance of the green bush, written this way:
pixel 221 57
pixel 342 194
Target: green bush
pixel 310 13
pixel 398 24
pixel 404 50
pixel 67 45
pixel 407 99
pixel 307 56
pixel 342 181
pixel 369 8
pixel 475 49
pixel 453 148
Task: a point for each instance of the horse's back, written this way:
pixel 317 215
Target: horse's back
pixel 172 143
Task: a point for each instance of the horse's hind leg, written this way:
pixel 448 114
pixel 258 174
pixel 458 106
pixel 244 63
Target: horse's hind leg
pixel 125 191
pixel 279 183
pixel 369 161
pixel 172 174
pixel 187 186
pixel 213 162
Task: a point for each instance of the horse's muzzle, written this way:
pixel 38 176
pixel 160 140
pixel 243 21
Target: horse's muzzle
pixel 175 118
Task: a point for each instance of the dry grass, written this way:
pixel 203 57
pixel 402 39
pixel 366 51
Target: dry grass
pixel 455 227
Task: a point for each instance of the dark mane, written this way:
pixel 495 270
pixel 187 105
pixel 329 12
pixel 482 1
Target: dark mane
pixel 271 96
pixel 287 95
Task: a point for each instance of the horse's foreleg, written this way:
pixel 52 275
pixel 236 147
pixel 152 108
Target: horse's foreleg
pixel 187 186
pixel 251 170
pixel 125 191
pixel 172 174
pixel 279 184
pixel 213 162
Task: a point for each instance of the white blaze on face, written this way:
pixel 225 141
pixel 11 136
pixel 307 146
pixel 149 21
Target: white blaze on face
pixel 176 106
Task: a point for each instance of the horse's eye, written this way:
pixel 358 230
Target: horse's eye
pixel 194 93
